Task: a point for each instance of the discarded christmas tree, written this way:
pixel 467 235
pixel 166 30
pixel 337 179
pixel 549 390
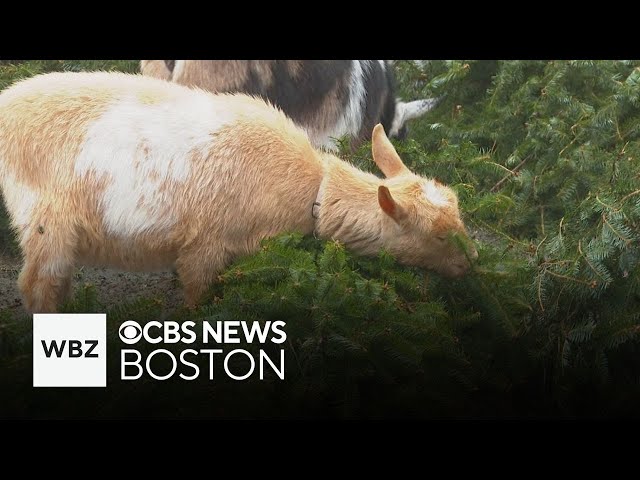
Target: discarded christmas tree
pixel 544 156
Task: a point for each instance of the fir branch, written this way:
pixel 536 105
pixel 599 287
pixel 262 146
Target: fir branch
pixel 500 233
pixel 589 263
pixel 572 279
pixel 539 289
pixel 628 196
pixel 626 240
pixel 512 172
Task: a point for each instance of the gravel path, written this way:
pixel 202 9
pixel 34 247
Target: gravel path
pixel 113 287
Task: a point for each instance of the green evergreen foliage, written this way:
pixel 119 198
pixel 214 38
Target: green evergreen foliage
pixel 16 70
pixel 544 156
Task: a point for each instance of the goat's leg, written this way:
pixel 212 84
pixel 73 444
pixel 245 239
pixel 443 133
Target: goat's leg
pixel 197 269
pixel 49 257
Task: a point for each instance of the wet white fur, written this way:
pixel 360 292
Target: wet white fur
pixel 434 194
pixel 115 147
pixel 351 119
pixel 20 199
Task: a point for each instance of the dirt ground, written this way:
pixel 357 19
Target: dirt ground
pixel 112 287
pixel 115 287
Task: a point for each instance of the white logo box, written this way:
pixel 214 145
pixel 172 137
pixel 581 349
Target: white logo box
pixel 75 359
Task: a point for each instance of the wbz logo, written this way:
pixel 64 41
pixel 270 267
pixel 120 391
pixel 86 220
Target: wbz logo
pixel 69 350
pixel 75 348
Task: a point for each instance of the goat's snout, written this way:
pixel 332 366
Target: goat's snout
pixel 460 269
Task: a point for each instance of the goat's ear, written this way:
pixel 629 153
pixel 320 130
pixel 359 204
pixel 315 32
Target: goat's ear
pixel 389 205
pixel 385 155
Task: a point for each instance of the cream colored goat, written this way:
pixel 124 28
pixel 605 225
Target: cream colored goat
pixel 140 174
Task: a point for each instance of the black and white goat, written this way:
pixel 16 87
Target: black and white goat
pixel 330 99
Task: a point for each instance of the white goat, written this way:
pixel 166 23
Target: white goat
pixel 141 174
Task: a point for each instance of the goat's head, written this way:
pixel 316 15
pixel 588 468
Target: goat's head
pixel 422 225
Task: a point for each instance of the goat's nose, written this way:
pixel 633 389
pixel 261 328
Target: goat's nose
pixel 460 269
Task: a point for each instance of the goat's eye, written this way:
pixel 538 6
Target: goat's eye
pixel 441 239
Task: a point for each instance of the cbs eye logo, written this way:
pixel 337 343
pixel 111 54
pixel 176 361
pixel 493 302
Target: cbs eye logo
pixel 130 332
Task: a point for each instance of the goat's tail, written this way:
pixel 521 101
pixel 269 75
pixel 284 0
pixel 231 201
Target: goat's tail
pixel 417 108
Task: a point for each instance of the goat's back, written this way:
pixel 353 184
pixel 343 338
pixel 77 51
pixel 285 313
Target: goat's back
pixel 328 98
pixel 133 164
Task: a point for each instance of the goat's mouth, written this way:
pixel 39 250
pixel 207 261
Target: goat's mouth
pixel 454 271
